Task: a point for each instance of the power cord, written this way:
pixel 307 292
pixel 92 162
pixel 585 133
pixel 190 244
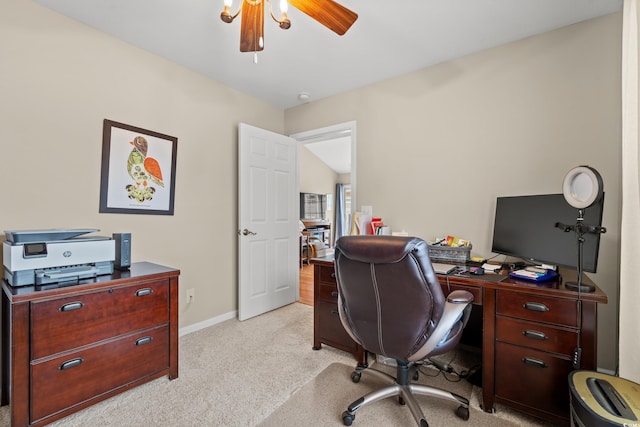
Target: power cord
pixel 446 369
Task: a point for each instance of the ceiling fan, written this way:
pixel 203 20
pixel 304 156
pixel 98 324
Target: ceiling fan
pixel 327 12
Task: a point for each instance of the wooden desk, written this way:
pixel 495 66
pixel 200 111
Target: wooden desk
pixel 66 347
pixel 529 333
pixel 327 328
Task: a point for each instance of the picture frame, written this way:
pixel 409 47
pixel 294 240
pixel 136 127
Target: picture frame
pixel 138 170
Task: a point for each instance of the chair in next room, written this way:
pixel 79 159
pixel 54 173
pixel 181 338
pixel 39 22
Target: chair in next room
pixel 391 303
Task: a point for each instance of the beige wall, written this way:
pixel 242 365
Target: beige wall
pixel 316 176
pixel 436 147
pixel 59 80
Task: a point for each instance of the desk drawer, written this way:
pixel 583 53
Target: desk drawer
pixel 536 335
pixel 330 328
pixel 73 378
pixel 328 293
pixel 533 378
pixel 66 323
pixel 537 308
pixel 327 274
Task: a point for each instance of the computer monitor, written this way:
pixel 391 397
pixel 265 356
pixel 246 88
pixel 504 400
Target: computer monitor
pixel 525 227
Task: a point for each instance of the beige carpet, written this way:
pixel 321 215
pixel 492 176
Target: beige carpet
pixel 325 397
pixel 231 374
pixel 241 373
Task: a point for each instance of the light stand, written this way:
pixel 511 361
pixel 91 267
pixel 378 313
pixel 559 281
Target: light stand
pixel 582 187
pixel 580 230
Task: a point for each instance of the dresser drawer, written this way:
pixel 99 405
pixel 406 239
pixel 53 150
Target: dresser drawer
pixel 536 335
pixel 74 378
pixel 66 323
pixel 327 274
pixel 537 308
pixel 533 378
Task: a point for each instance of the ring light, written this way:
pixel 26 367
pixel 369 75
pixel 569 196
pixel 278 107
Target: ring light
pixel 582 187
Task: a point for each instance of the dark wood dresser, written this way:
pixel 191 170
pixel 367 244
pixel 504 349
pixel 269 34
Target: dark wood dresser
pixel 66 347
pixel 327 328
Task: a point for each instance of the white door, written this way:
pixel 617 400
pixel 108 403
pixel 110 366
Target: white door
pixel 268 233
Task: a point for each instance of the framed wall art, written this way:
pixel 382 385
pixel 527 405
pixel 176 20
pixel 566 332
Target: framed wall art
pixel 138 170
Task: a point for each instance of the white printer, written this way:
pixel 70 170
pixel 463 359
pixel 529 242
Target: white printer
pixel 38 257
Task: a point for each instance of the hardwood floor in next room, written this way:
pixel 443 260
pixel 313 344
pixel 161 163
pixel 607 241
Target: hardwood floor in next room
pixel 306 284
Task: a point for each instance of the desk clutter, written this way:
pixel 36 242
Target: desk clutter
pixel 450 249
pixel 452 255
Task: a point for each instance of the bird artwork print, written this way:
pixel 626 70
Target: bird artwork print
pixel 144 170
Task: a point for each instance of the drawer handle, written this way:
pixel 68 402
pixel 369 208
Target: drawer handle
pixel 144 340
pixel 535 306
pixel 143 292
pixel 335 313
pixel 334 294
pixel 535 335
pixel 71 306
pixel 534 362
pixel 71 364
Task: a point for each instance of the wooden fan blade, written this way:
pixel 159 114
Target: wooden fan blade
pixel 335 17
pixel 252 26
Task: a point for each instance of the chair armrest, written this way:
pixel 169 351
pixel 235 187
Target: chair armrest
pixel 457 302
pixel 460 297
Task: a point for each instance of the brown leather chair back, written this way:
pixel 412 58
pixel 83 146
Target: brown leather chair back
pixel 389 294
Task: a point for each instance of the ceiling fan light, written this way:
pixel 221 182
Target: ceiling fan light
pixel 225 15
pixel 284 23
pixel 332 15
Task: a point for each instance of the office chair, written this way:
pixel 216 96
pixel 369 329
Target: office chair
pixel 391 303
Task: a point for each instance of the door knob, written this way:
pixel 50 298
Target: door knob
pixel 246 232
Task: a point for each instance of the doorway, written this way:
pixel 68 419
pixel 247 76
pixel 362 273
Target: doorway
pixel 328 144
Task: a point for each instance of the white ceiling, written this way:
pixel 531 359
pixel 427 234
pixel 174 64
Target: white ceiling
pixel 336 153
pixel 389 38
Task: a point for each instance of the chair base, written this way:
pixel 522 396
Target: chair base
pixel 402 387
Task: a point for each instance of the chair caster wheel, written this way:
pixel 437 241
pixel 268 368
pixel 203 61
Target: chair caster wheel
pixel 355 377
pixel 347 418
pixel 401 401
pixel 416 376
pixel 462 413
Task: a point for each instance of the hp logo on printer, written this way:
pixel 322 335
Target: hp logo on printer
pixel 66 254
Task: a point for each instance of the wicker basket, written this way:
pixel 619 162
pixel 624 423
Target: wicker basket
pixel 450 254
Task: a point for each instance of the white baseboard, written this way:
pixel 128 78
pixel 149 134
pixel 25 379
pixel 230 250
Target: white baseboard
pixel 206 323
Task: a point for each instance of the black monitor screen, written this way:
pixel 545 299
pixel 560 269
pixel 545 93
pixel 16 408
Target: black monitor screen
pixel 525 227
